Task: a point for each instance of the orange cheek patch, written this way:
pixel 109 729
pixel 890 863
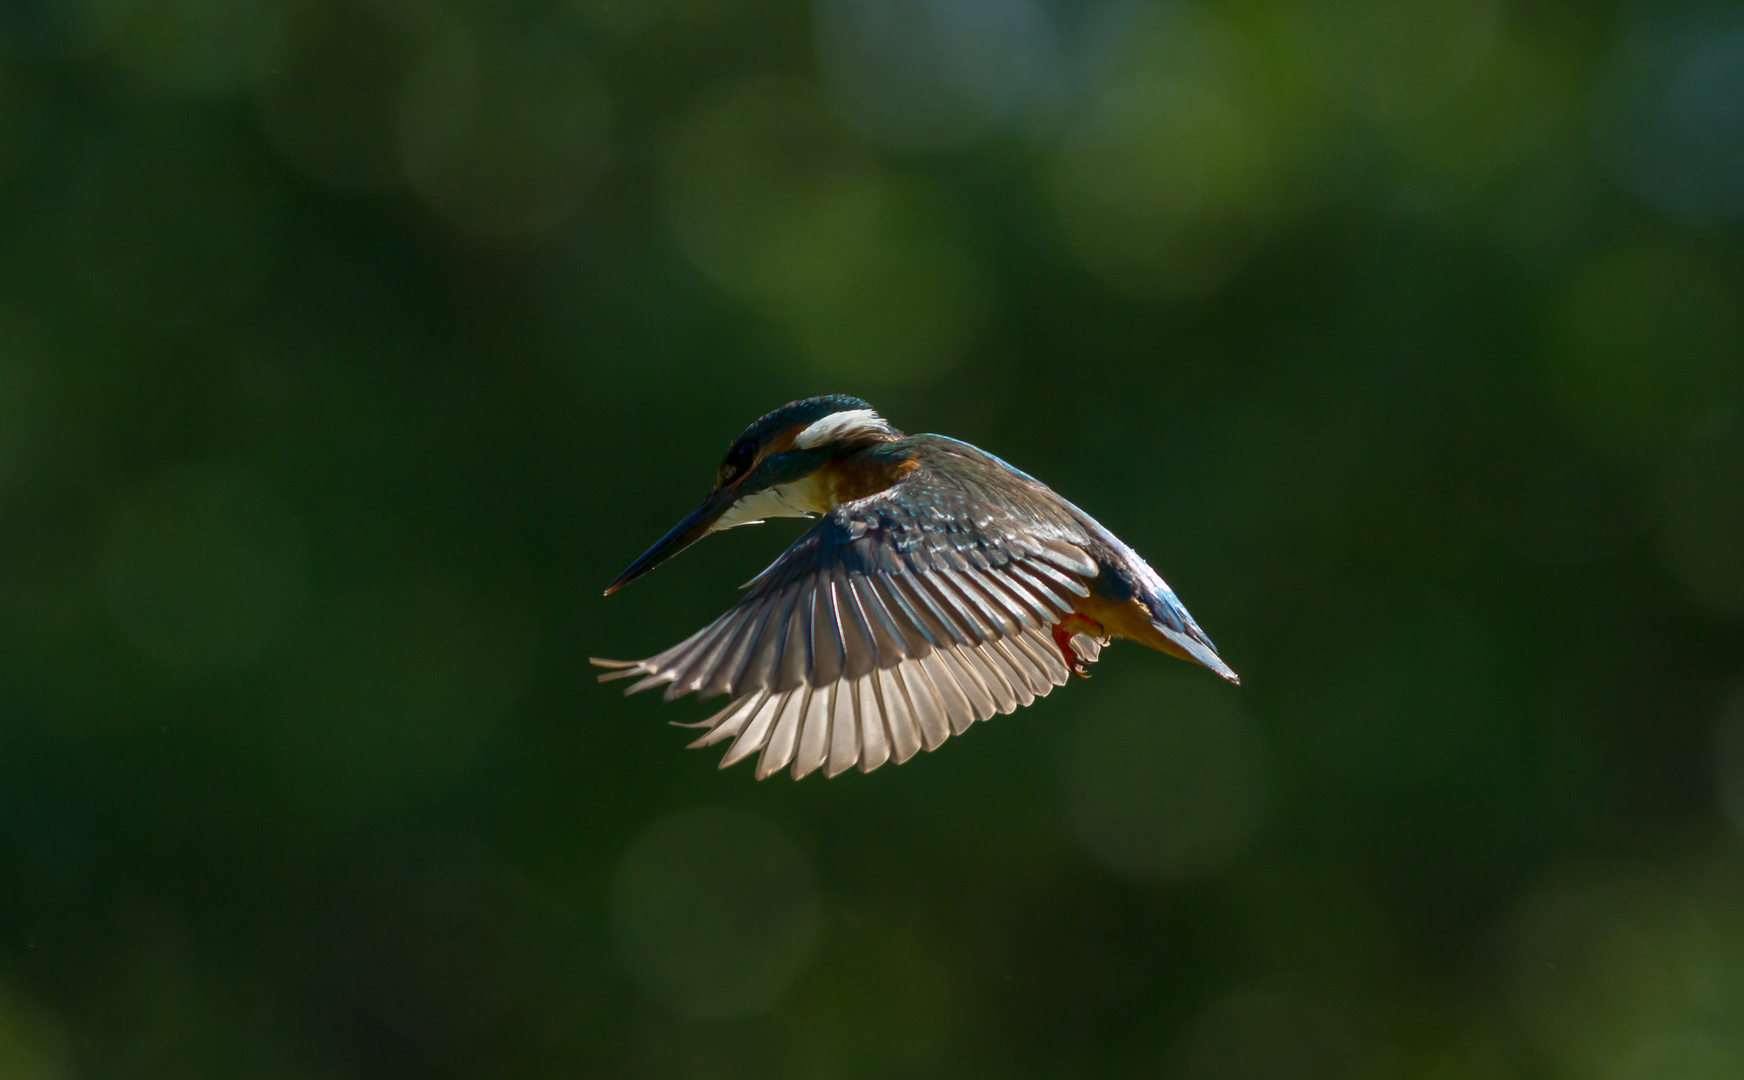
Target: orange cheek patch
pixel 782 442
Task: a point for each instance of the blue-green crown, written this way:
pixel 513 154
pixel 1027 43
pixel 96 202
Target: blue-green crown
pixel 809 411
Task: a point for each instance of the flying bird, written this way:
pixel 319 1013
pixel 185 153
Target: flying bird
pixel 939 586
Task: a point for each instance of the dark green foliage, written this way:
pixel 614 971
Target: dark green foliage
pixel 348 348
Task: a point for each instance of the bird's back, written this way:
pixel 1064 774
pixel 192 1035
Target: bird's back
pixel 1013 500
pixel 969 484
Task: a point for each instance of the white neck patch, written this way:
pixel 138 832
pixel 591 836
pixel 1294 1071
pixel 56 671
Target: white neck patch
pixel 842 425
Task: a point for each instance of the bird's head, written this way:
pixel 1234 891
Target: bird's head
pixel 766 471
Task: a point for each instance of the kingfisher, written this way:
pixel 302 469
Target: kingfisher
pixel 938 587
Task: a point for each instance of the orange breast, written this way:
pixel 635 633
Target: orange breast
pixel 1128 619
pixel 856 478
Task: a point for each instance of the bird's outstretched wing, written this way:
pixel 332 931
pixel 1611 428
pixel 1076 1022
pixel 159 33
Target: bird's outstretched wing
pixel 895 622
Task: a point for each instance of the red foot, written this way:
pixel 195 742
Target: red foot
pixel 1063 631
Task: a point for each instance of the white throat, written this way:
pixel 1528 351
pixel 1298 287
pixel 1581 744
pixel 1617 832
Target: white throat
pixel 806 497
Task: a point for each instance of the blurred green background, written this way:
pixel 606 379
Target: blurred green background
pixel 349 347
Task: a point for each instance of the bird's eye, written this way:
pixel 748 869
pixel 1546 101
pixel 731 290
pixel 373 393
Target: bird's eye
pixel 739 459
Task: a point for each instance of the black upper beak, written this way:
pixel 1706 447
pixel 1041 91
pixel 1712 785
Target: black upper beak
pixel 694 527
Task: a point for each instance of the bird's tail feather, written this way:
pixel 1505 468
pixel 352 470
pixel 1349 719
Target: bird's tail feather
pixel 1169 618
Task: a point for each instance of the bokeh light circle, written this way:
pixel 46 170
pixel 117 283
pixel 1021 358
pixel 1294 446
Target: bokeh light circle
pixel 1168 781
pixel 929 74
pixel 204 568
pixel 749 167
pixel 1277 1029
pixel 11 126
pixel 1407 694
pixel 443 942
pixel 1163 178
pixel 1624 970
pixel 1695 1054
pixel 772 197
pixel 1392 59
pixel 332 78
pixel 1669 116
pixel 714 913
pixel 38 31
pixel 172 223
pixel 25 408
pixel 1729 757
pixel 32 1045
pixel 198 46
pixel 1647 341
pixel 1523 97
pixel 409 678
pixel 1548 496
pixel 1702 535
pixel 503 132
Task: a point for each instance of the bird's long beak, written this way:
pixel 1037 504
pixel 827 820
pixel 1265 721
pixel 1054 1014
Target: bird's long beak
pixel 694 527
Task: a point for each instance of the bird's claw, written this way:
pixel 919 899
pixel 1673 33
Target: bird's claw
pixel 1063 632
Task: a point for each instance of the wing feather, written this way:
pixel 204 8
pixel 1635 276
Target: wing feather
pixel 892 643
pixel 1009 596
pixel 969 684
pixel 844 728
pixel 869 717
pixel 784 736
pixel 895 622
pixel 730 720
pixel 730 672
pixel 682 657
pixel 1027 665
pixel 828 655
pixel 919 600
pixel 756 730
pixel 959 714
pixel 1042 652
pixel 1071 558
pixel 993 678
pixel 986 601
pixel 973 624
pixel 795 660
pixel 997 658
pixel 923 699
pixel 706 657
pixel 814 732
pixel 904 732
pixel 1044 587
pixel 1058 577
pixel 918 621
pixel 766 651
pixel 859 645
